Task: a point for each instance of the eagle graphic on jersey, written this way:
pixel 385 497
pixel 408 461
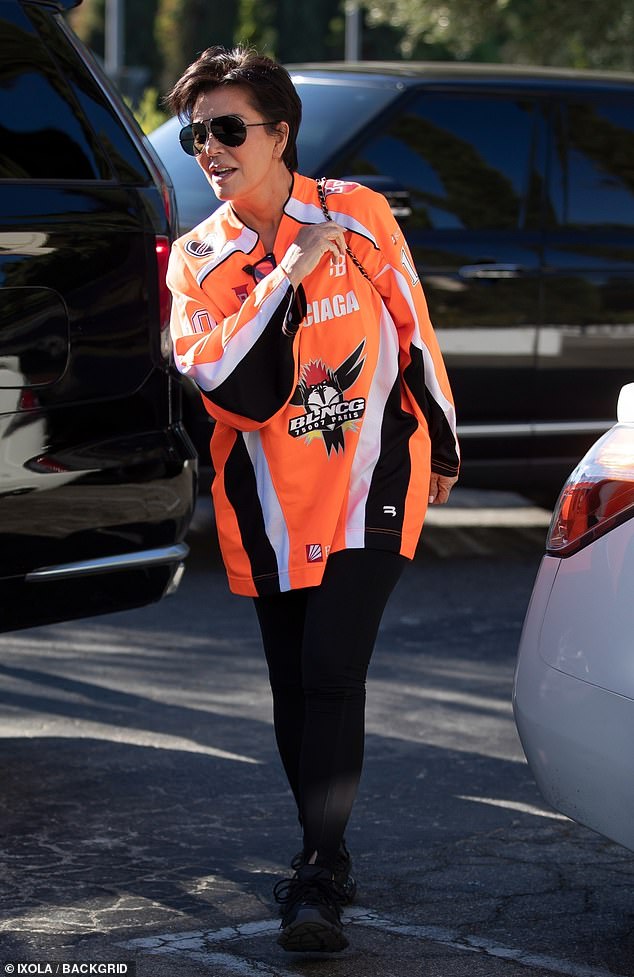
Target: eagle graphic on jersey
pixel 320 392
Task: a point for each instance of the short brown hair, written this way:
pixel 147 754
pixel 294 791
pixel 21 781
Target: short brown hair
pixel 269 86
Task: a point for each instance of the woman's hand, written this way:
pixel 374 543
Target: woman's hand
pixel 309 247
pixel 439 487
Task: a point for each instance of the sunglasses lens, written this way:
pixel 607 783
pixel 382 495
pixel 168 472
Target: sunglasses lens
pixel 191 141
pixel 263 268
pixel 229 130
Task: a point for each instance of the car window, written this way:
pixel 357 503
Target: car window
pixel 107 116
pixel 592 165
pixel 465 161
pixel 332 114
pixel 42 134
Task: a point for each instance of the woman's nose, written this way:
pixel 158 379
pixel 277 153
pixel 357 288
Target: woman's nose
pixel 212 144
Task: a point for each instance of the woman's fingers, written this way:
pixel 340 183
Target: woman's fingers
pixel 440 486
pixel 310 246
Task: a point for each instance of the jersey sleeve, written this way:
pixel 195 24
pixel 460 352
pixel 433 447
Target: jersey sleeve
pixel 394 275
pixel 245 364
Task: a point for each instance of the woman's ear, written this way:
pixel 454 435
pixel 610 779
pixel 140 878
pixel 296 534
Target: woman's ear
pixel 281 139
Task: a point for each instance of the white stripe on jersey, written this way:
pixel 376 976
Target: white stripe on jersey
pixel 312 214
pixel 352 224
pixel 208 376
pixel 369 445
pixel 431 380
pixel 274 522
pixel 245 242
pixel 304 213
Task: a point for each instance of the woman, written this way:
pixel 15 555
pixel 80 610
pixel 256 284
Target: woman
pixel 298 312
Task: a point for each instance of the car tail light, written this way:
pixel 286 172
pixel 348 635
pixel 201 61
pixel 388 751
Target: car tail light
pixel 46 464
pixel 165 300
pixel 28 399
pixel 600 492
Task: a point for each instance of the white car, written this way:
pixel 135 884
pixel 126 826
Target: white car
pixel 573 693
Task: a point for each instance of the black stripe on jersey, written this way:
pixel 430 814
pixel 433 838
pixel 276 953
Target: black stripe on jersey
pixel 242 493
pixel 297 312
pixel 264 379
pixel 385 505
pixel 445 458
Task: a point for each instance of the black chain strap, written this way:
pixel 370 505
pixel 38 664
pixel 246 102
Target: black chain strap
pixel 324 206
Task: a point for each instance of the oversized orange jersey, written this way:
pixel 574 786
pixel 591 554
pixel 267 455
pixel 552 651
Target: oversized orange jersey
pixel 331 402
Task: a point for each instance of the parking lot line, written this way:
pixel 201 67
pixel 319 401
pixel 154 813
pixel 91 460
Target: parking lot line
pixel 237 966
pixel 478 944
pixel 197 945
pixel 538 812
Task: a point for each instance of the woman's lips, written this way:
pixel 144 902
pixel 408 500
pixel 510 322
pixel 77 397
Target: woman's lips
pixel 221 173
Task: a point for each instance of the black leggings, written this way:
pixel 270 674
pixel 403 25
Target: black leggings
pixel 318 642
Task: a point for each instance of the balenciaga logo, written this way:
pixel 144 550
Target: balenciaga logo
pixel 331 308
pixel 314 553
pixel 338 266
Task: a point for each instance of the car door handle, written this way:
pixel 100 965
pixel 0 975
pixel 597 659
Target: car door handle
pixel 399 201
pixel 397 195
pixel 491 270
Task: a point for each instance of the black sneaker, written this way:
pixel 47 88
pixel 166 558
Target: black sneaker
pixel 311 914
pixel 341 873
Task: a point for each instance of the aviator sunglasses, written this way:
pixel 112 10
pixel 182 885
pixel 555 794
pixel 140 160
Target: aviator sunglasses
pixel 230 130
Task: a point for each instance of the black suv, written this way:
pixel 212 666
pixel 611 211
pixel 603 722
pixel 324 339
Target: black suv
pixel 97 476
pixel 515 188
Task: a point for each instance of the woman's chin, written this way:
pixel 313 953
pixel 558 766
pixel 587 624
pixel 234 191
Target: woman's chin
pixel 221 191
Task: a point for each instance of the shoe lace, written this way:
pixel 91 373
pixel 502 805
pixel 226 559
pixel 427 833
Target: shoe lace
pixel 316 891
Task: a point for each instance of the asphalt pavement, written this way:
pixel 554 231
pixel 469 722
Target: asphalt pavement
pixel 145 817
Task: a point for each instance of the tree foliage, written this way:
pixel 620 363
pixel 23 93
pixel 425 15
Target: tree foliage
pixel 257 24
pixel 163 36
pixel 184 28
pixel 550 32
pixel 292 31
pixel 87 21
pixel 148 111
pixel 140 49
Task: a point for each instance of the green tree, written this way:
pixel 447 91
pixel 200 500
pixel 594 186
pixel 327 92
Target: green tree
pixel 184 28
pixel 88 21
pixel 292 31
pixel 583 35
pixel 551 32
pixel 305 29
pixel 147 111
pixel 140 50
pixel 257 25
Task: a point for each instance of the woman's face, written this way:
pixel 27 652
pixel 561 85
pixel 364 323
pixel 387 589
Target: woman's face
pixel 238 173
